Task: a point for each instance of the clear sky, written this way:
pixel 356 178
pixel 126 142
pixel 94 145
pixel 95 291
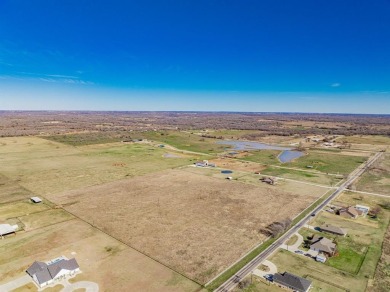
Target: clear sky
pixel 247 55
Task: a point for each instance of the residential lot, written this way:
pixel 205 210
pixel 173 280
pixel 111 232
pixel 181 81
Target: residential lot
pixel 98 254
pixel 353 268
pixel 183 219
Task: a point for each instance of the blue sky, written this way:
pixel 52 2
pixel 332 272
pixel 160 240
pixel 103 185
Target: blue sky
pixel 300 56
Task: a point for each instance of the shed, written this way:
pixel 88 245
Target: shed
pixel 36 200
pixel 7 229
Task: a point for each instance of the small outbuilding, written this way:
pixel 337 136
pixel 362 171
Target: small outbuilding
pixel 36 200
pixel 268 180
pixel 6 229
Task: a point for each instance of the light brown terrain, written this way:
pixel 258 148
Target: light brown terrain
pixel 195 224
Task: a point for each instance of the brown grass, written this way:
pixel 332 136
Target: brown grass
pixel 196 224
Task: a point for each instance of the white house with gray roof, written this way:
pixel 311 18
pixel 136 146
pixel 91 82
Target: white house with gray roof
pixel 45 274
pixel 292 282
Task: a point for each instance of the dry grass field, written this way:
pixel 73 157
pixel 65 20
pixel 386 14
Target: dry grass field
pixel 45 167
pixel 196 224
pixel 377 179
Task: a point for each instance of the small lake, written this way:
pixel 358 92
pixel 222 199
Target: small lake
pixel 250 145
pixel 286 156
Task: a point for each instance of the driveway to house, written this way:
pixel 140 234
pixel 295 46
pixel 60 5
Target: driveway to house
pixel 294 247
pixel 88 286
pixel 272 269
pixel 12 285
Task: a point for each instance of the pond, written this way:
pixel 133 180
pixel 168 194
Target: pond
pixel 251 145
pixel 286 156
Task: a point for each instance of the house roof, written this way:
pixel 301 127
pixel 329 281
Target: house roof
pixel 351 210
pixel 290 280
pixel 43 276
pixel 333 229
pixel 35 268
pixel 56 267
pixel 44 272
pixel 323 244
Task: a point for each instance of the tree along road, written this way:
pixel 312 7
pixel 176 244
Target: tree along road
pixel 248 268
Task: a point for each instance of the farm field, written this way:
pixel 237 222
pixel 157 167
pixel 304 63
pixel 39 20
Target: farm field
pixel 377 178
pixel 192 243
pixel 45 167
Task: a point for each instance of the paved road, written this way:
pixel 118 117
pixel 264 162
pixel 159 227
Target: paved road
pixel 246 270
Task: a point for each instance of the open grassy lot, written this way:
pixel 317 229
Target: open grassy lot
pixel 10 190
pixel 21 208
pixel 377 178
pixel 183 219
pixel 88 138
pixel 98 255
pixel 45 218
pixel 313 177
pixel 362 139
pixel 235 164
pixel 183 140
pixel 328 162
pixel 55 169
pixel 265 157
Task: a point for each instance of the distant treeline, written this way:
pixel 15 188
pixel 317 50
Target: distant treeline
pixel 20 123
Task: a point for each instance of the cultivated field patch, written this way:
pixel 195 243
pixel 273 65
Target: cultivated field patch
pixel 196 224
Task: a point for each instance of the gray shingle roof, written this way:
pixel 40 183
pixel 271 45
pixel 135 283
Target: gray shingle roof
pixel 333 229
pixel 35 268
pixel 290 280
pixel 45 272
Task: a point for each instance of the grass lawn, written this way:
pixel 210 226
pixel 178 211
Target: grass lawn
pixel 16 209
pixel 348 259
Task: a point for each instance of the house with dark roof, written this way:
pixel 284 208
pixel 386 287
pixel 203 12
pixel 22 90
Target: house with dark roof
pixel 45 274
pixel 292 282
pixel 333 229
pixel 323 244
pixel 350 212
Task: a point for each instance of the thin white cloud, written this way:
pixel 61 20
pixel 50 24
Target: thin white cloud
pixel 336 84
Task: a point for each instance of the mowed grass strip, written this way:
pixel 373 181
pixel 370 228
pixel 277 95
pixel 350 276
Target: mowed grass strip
pixel 45 218
pixel 11 191
pixel 21 208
